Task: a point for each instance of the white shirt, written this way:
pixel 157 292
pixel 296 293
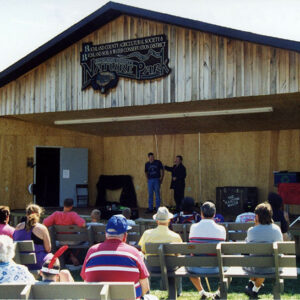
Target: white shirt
pixel 207 231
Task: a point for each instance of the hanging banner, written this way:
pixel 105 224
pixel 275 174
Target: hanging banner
pixel 140 59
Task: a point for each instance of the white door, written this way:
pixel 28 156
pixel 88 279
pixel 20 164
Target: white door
pixel 73 170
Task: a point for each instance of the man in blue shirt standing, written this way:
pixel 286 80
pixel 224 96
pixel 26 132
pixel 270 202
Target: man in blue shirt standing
pixel 154 172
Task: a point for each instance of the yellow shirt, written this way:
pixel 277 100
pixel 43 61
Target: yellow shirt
pixel 160 234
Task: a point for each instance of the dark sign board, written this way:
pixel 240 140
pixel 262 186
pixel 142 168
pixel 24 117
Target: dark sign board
pixel 141 59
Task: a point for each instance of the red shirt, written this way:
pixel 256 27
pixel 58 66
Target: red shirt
pixel 64 218
pixel 114 261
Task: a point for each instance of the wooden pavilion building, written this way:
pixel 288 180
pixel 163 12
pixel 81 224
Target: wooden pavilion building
pixel 126 81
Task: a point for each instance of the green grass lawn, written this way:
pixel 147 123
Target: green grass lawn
pixel 236 290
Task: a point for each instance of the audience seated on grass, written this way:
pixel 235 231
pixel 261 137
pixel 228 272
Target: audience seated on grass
pixel 66 217
pixel 9 270
pixel 264 231
pixel 115 261
pixel 31 229
pixel 5 228
pixel 279 215
pixel 95 218
pixel 206 231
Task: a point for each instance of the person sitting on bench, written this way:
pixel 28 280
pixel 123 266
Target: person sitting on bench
pixel 64 218
pixel 206 231
pixel 51 272
pixel 9 270
pixel 264 231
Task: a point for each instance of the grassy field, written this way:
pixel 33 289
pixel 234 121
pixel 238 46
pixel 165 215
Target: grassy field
pixel 236 291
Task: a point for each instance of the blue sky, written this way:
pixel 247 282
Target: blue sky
pixel 27 24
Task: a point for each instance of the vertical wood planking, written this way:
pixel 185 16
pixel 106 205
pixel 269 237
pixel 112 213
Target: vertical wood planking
pixel 152 83
pixel 240 69
pixel 133 35
pixel 265 70
pixel 257 70
pixel 188 68
pixel 293 72
pixel 221 67
pixel 207 66
pixel 248 67
pixel 214 66
pixel 139 84
pixel 274 71
pixel 283 72
pixel 231 69
pixel 31 92
pixel 194 65
pixel 173 63
pixel 204 66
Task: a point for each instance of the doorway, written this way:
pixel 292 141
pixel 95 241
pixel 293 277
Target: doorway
pixel 57 172
pixel 47 176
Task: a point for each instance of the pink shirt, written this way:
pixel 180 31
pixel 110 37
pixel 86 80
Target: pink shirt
pixel 64 218
pixel 7 230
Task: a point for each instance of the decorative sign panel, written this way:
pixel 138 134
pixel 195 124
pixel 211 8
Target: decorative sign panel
pixel 141 59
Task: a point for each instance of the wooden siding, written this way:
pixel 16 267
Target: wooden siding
pixel 17 142
pixel 224 159
pixel 204 66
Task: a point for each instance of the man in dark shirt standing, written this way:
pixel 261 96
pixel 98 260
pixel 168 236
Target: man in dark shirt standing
pixel 154 172
pixel 178 180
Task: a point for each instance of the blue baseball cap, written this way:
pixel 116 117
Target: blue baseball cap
pixel 117 225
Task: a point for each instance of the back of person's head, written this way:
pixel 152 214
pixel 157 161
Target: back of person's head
pixel 68 202
pixel 187 204
pixel 264 213
pixel 4 214
pixel 275 200
pixel 7 249
pixel 208 209
pixel 96 215
pixel 50 273
pixel 33 213
pixel 126 212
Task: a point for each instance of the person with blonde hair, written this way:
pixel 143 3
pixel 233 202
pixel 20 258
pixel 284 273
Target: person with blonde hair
pixel 9 270
pixel 31 229
pixel 5 228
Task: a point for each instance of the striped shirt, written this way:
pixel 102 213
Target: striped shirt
pixel 114 261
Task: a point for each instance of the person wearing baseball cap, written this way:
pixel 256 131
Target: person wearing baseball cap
pixel 114 260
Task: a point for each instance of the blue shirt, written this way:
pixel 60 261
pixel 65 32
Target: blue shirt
pixel 153 169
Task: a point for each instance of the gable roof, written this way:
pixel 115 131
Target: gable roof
pixel 110 12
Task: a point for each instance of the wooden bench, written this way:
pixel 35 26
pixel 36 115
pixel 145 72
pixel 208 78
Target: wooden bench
pixel 237 231
pixel 72 235
pixel 24 253
pixel 97 233
pixel 278 255
pixel 179 256
pixel 68 290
